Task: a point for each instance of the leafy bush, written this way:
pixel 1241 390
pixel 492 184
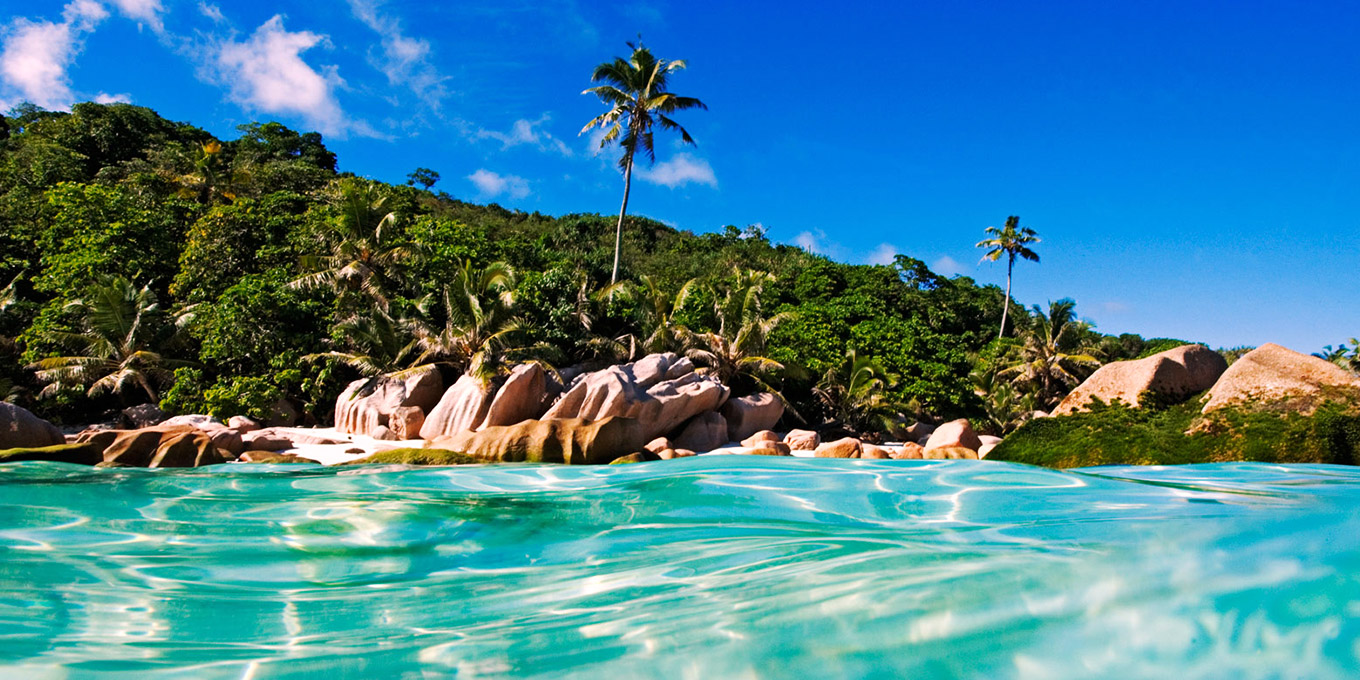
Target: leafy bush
pixel 1122 435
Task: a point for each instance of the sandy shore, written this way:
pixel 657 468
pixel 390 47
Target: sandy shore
pixel 357 446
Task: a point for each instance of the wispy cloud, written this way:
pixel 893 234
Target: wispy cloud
pixel 883 254
pixel 816 241
pixel 947 266
pixel 404 60
pixel 529 132
pixel 213 12
pixel 106 98
pixel 37 55
pixel 147 12
pixel 267 73
pixel 491 184
pixel 680 170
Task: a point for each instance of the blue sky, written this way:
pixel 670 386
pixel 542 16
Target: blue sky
pixel 1192 167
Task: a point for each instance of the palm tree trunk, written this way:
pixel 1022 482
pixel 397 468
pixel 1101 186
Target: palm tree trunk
pixel 618 231
pixel 1006 304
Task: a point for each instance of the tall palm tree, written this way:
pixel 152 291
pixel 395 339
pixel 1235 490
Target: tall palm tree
pixel 114 350
pixel 365 253
pixel 1052 359
pixel 478 321
pixel 636 91
pixel 1011 241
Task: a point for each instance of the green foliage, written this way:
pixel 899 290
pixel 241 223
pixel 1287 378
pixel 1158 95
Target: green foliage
pixel 255 320
pixel 116 349
pixel 417 457
pixel 76 454
pixel 1157 346
pixel 94 230
pixel 1123 435
pixel 229 241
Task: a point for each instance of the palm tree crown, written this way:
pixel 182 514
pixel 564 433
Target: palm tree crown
pixel 636 90
pixel 1053 359
pixel 1011 241
pixel 113 351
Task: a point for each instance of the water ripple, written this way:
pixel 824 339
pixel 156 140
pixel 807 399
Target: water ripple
pixel 705 567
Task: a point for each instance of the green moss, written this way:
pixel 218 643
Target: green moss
pixel 418 457
pixel 80 454
pixel 1119 435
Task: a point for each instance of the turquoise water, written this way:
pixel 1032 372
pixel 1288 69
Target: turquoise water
pixel 711 567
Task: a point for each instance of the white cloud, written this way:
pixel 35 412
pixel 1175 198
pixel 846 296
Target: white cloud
pixel 37 54
pixel 681 170
pixel 145 11
pixel 527 132
pixel 947 266
pixel 213 12
pixel 267 73
pixel 816 241
pixel 106 98
pixel 84 15
pixel 405 60
pixel 883 254
pixel 491 184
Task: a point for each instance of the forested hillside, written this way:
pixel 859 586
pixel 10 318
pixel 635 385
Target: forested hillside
pixel 148 261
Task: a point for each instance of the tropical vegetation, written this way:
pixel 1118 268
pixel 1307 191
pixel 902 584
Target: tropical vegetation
pixel 147 260
pixel 637 90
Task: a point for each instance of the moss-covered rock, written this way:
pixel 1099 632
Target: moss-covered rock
pixel 417 457
pixel 80 454
pixel 1119 435
pixel 643 456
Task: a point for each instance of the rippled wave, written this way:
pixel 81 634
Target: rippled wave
pixel 710 567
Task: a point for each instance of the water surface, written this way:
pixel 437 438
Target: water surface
pixel 710 567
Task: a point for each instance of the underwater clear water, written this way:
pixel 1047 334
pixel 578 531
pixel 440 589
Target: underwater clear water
pixel 710 567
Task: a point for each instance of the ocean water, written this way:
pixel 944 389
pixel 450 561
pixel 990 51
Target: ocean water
pixel 710 567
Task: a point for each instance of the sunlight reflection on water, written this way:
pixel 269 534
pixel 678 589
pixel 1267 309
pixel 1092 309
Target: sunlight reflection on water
pixel 710 567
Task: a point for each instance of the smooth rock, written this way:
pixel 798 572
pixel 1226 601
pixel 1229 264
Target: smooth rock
pixel 369 402
pixel 185 449
pixel 520 398
pixel 847 447
pixel 771 448
pixel 1173 375
pixel 803 440
pixel 244 424
pixel 910 451
pixel 406 421
pixel 78 454
pixel 282 414
pixel 751 414
pixel 704 432
pixel 572 441
pixel 19 428
pixel 275 458
pixel 462 409
pixel 143 415
pixel 637 457
pixel 955 433
pixel 1279 379
pixel 679 368
pixel 761 436
pixel 195 420
pixel 384 433
pixel 228 440
pixel 651 369
pixel 660 408
pixel 874 452
pixel 659 444
pixel 919 432
pixel 951 453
